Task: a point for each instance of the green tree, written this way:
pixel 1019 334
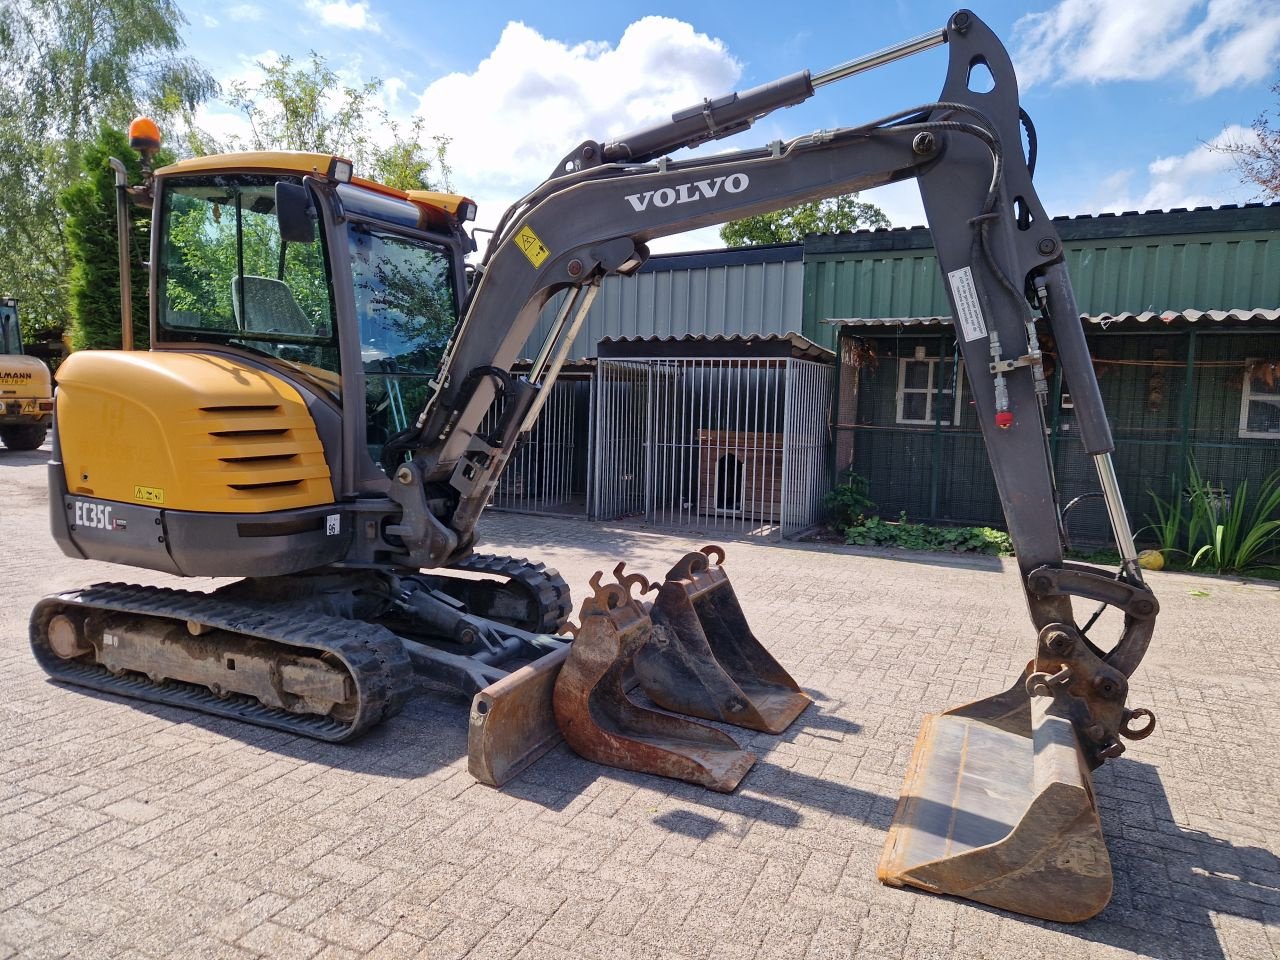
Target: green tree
pixel 94 285
pixel 69 65
pixel 304 106
pixel 833 215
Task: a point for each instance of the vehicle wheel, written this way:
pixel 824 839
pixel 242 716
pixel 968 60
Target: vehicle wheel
pixel 23 438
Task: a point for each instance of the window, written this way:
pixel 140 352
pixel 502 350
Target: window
pixel 924 382
pixel 227 277
pixel 10 335
pixel 1260 400
pixel 406 311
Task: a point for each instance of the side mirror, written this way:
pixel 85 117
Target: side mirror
pixel 294 213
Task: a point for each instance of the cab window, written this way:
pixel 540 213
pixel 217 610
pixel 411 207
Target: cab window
pixel 406 311
pixel 227 277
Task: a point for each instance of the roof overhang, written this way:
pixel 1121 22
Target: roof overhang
pixel 1259 318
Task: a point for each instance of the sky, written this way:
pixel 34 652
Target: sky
pixel 1128 97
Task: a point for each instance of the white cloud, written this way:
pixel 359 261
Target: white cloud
pixel 534 99
pixel 347 16
pixel 208 21
pixel 1215 44
pixel 1204 176
pixel 245 12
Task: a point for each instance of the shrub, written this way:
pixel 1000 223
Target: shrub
pixel 920 536
pixel 849 502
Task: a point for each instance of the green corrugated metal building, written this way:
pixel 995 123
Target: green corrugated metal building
pixel 1178 382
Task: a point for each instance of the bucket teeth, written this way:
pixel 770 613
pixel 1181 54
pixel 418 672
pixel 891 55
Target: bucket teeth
pixel 708 663
pixel 601 723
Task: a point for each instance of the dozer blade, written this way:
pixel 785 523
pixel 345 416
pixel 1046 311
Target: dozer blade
pixel 1001 816
pixel 708 663
pixel 601 723
pixel 513 722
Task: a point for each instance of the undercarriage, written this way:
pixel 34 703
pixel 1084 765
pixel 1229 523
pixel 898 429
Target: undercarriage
pixel 326 655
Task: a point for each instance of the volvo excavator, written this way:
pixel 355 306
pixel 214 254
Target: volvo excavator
pixel 328 403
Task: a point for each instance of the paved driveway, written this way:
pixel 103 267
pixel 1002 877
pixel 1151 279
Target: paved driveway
pixel 139 831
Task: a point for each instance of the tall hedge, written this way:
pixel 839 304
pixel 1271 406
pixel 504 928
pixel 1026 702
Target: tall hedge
pixel 90 204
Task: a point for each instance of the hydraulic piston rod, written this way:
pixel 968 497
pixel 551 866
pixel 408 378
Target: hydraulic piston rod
pixel 926 41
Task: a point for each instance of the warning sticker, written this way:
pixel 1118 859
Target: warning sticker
pixel 148 494
pixel 968 310
pixel 531 246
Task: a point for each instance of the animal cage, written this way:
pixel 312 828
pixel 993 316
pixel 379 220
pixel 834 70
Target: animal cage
pixel 713 444
pixel 548 473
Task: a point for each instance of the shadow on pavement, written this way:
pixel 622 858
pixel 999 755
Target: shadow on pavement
pixel 430 733
pixel 24 458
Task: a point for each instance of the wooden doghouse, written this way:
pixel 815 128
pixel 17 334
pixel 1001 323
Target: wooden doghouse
pixel 740 474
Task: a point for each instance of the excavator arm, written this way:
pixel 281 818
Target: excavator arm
pixel 1004 272
pixel 997 248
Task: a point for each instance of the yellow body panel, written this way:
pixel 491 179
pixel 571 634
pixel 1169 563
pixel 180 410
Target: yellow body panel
pixel 284 161
pixel 187 431
pixel 448 202
pixel 23 377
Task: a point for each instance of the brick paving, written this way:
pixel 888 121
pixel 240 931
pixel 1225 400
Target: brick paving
pixel 131 830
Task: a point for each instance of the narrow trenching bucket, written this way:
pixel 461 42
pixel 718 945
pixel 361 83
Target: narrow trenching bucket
pixel 708 663
pixel 998 807
pixel 600 722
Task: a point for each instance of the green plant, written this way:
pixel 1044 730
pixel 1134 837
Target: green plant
pixel 1230 532
pixel 849 502
pixel 1170 519
pixel 876 532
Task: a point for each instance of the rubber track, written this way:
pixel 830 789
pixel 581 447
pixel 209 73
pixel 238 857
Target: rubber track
pixel 543 583
pixel 372 655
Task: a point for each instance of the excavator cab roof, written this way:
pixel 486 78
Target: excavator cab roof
pixel 454 207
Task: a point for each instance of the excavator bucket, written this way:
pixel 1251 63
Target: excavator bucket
pixel 600 722
pixel 708 663
pixel 512 721
pixel 998 807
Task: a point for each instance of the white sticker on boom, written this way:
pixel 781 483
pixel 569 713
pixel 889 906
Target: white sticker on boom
pixel 968 310
pixel 331 524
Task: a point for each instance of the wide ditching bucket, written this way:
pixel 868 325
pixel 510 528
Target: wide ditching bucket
pixel 708 663
pixel 998 807
pixel 600 722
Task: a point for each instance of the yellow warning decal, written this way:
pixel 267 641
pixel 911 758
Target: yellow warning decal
pixel 148 494
pixel 531 246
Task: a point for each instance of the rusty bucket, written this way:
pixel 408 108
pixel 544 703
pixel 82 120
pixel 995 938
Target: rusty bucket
pixel 708 663
pixel 600 722
pixel 998 807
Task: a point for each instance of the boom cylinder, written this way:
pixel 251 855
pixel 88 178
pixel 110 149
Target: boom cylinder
pixel 710 120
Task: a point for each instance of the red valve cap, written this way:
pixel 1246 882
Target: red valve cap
pixel 1004 419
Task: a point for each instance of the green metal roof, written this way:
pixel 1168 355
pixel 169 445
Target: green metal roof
pixel 1204 259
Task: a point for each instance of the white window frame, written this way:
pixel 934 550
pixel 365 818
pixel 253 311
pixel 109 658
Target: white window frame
pixel 929 391
pixel 1246 398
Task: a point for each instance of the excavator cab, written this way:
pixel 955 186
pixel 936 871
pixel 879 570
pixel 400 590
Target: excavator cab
pixel 247 261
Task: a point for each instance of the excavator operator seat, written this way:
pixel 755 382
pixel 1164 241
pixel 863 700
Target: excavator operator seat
pixel 268 306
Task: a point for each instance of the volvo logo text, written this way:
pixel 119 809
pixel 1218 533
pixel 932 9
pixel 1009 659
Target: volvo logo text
pixel 689 192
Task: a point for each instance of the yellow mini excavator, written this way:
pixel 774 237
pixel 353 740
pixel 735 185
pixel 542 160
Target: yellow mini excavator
pixel 328 402
pixel 26 389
